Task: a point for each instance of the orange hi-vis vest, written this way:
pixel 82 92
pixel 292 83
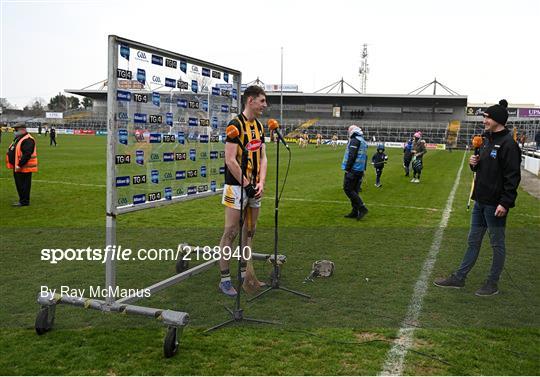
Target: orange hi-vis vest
pixel 31 165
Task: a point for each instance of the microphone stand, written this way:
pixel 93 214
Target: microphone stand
pixel 237 315
pixel 274 284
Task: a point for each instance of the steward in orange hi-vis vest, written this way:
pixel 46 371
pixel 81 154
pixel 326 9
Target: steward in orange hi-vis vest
pixel 21 157
pixel 28 166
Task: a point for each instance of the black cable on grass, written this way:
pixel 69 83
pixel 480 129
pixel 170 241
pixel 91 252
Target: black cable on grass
pixel 286 175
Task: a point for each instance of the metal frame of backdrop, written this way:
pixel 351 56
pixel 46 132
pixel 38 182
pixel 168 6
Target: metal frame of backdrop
pixel 174 320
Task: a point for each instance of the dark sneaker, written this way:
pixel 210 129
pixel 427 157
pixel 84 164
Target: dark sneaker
pixel 450 282
pixel 352 215
pixel 488 289
pixel 227 288
pixel 361 213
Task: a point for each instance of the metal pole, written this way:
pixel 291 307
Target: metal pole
pixel 110 223
pixel 281 94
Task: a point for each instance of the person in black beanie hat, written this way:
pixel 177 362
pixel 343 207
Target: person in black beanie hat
pixel 497 166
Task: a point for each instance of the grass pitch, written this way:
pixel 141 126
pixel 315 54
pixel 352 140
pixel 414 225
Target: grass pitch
pixel 346 329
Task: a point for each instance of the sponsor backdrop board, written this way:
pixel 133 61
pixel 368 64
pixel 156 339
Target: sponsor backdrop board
pixel 170 116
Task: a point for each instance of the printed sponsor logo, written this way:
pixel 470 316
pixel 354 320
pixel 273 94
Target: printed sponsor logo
pixel 139 199
pixel 214 122
pixel 254 145
pixel 194 105
pixel 184 85
pixel 123 74
pixel 192 173
pixel 202 188
pixel 123 116
pixel 122 201
pixel 181 137
pixel 122 181
pixel 155 119
pixel 154 157
pixel 206 72
pixel 204 122
pixel 213 186
pixel 193 154
pixel 155 176
pixel 183 66
pixel 203 171
pixel 180 174
pixel 180 191
pixel 139 118
pixel 157 60
pixel 171 83
pixel 168 193
pixel 216 74
pixel 122 95
pixel 191 190
pixel 124 51
pixel 180 156
pixel 234 94
pixel 122 159
pixel 139 179
pixel 139 157
pixel 155 138
pixel 182 103
pixel 225 77
pixel 141 55
pixel 203 155
pixel 168 156
pixel 225 93
pixel 205 105
pixel 153 196
pixel 224 108
pixel 123 137
pixel 214 139
pixel 194 86
pixel 222 170
pixel 234 109
pixel 214 155
pixel 139 97
pixel 169 120
pixel 156 79
pixel 215 91
pixel 195 69
pixel 171 63
pixel 203 139
pixel 193 122
pixel 156 99
pixel 169 138
pixel 168 176
pixel 141 76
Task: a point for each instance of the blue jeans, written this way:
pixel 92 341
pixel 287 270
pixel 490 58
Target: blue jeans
pixel 482 219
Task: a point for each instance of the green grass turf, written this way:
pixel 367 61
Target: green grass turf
pixel 348 326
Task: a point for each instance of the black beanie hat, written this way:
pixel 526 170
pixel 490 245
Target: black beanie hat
pixel 498 112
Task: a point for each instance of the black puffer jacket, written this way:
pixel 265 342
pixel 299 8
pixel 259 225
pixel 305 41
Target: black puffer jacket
pixel 498 171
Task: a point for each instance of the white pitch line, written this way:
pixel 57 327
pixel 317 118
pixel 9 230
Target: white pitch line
pixel 395 357
pixel 63 183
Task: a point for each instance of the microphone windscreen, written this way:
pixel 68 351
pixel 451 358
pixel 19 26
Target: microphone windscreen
pixel 232 132
pixel 273 124
pixel 477 141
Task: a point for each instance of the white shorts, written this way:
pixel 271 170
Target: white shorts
pixel 231 198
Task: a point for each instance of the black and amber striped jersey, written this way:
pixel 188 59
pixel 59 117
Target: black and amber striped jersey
pixel 251 135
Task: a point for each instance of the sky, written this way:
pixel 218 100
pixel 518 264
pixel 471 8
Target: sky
pixel 486 50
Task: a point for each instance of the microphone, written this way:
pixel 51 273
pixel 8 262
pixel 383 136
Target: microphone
pixel 477 142
pixel 274 126
pixel 232 133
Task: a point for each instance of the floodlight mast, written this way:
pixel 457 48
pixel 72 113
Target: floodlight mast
pixel 364 69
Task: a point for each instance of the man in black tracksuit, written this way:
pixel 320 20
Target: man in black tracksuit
pixel 497 167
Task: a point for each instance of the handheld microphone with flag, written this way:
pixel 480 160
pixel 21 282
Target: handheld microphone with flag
pixel 477 143
pixel 233 133
pixel 274 126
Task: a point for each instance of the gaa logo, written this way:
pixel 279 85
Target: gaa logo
pixel 141 55
pixel 156 80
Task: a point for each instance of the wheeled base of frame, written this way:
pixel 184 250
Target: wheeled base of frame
pixel 174 320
